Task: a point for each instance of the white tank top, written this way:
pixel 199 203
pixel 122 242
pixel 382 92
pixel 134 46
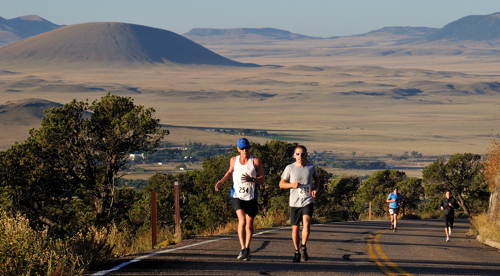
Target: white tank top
pixel 244 190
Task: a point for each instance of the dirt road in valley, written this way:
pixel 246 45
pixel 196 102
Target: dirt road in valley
pixel 349 248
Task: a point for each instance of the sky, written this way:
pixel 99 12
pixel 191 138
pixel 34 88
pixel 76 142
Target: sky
pixel 319 18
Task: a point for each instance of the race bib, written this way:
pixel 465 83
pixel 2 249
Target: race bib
pixel 305 191
pixel 244 191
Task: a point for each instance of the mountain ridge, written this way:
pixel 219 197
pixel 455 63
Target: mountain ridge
pixel 241 34
pixel 12 30
pixel 470 28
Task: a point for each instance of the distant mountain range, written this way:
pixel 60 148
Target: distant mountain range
pixel 12 30
pixel 243 34
pixel 31 39
pixel 253 35
pixel 482 28
pixel 469 28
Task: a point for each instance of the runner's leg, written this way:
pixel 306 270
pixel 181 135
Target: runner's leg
pixel 296 236
pixel 241 227
pixel 249 231
pixel 306 228
pixel 446 225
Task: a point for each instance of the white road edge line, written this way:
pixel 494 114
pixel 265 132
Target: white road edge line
pixel 104 272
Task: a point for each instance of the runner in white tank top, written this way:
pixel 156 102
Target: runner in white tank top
pixel 246 171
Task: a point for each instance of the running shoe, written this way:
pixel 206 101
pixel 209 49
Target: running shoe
pixel 247 258
pixel 303 254
pixel 395 230
pixel 243 254
pixel 392 226
pixel 447 239
pixel 296 258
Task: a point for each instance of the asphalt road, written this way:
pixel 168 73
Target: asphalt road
pixel 418 247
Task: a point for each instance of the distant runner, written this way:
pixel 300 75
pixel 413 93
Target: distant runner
pixel 448 205
pixel 298 177
pixel 394 199
pixel 246 170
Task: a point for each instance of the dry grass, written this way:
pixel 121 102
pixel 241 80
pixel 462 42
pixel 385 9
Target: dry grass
pixel 328 119
pixel 229 227
pixel 434 215
pixel 347 51
pixel 274 218
pixel 165 236
pixel 24 251
pixel 486 226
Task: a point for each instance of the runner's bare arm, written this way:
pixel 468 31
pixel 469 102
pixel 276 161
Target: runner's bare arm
pixel 284 184
pixel 227 175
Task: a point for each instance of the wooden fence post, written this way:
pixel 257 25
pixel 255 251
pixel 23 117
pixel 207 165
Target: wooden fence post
pixel 177 211
pixel 154 224
pixel 370 210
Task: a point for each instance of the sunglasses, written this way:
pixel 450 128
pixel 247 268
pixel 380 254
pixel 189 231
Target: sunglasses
pixel 301 153
pixel 245 148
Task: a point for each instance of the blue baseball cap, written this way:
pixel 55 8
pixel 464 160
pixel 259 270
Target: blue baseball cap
pixel 243 142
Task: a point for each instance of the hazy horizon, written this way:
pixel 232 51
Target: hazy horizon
pixel 320 18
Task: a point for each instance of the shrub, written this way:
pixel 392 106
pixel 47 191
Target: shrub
pixel 95 245
pixel 271 219
pixel 24 251
pixel 484 226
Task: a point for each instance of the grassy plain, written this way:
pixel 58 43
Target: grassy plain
pixel 366 103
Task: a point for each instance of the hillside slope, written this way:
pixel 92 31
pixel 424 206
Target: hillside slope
pixel 25 112
pixel 109 43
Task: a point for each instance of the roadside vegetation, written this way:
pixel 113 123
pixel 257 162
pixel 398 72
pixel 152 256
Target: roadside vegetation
pixel 487 223
pixel 65 209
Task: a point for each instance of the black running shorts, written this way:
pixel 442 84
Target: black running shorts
pixel 448 221
pixel 296 213
pixel 395 211
pixel 250 207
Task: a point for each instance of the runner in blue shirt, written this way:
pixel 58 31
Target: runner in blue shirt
pixel 394 199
